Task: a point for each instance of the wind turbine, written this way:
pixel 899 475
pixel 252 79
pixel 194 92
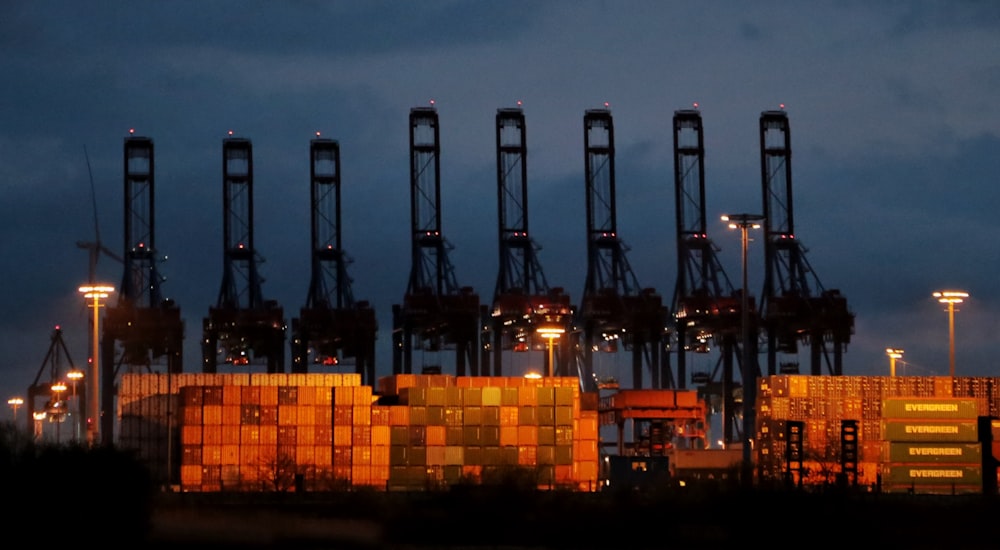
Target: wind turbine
pixel 95 247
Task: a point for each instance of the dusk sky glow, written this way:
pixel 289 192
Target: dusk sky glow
pixel 894 125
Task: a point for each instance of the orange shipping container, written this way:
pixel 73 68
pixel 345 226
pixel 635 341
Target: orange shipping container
pixel 435 435
pixel 508 435
pixel 527 455
pixel 190 435
pixel 211 415
pixel 211 435
pixel 342 435
pixel 269 435
pixel 230 434
pixel 527 435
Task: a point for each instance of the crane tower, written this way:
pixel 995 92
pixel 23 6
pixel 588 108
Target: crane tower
pixel 796 308
pixel 147 326
pixel 331 322
pixel 242 327
pixel 527 314
pixel 436 314
pixel 706 308
pixel 614 307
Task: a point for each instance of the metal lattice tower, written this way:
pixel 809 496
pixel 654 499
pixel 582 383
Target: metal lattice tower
pixel 523 302
pixel 794 303
pixel 614 307
pixel 436 313
pixel 332 323
pixel 147 326
pixel 242 326
pixel 706 307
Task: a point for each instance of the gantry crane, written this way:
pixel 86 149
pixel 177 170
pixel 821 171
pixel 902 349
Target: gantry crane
pixel 147 326
pixel 614 307
pixel 527 314
pixel 796 308
pixel 436 314
pixel 332 324
pixel 242 327
pixel 707 310
pixel 57 364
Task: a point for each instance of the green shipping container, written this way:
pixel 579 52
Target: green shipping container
pixel 936 474
pixel 930 430
pixel 936 453
pixel 943 408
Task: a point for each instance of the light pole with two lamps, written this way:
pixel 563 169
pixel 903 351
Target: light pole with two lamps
pixel 14 403
pixel 951 297
pixel 95 293
pixel 551 333
pixel 748 372
pixel 74 376
pixel 57 412
pixel 893 354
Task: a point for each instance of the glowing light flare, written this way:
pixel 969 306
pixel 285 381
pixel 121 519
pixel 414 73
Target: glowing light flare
pixel 951 296
pixel 695 104
pixel 96 291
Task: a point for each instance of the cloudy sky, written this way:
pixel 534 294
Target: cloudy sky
pixel 892 107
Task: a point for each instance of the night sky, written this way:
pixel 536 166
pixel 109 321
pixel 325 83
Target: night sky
pixel 892 106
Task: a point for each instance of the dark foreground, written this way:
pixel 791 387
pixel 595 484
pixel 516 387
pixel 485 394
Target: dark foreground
pixel 104 497
pixel 498 519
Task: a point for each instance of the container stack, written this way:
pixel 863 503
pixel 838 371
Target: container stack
pixel 931 445
pixel 314 432
pixel 822 403
pixel 483 429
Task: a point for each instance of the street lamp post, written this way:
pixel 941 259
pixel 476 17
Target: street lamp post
pixel 14 403
pixel 58 413
pixel 551 333
pixel 951 297
pixel 745 222
pixel 74 376
pixel 893 354
pixel 95 293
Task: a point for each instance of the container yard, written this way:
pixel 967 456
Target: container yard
pixel 322 432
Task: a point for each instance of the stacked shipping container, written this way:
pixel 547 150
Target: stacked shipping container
pixel 822 402
pixel 931 445
pixel 324 431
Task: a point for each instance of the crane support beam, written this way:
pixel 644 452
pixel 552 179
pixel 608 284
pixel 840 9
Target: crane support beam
pixel 146 326
pixel 242 327
pixel 436 314
pixel 614 308
pixel 795 306
pixel 527 315
pixel 707 309
pixel 332 324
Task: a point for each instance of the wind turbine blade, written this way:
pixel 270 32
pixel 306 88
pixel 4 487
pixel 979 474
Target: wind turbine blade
pixel 93 198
